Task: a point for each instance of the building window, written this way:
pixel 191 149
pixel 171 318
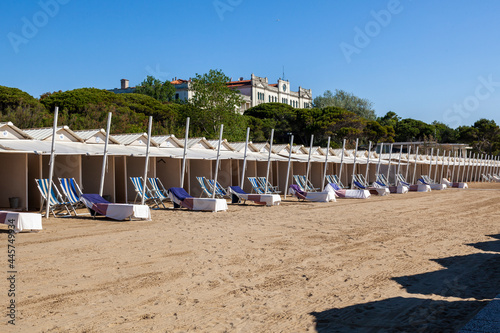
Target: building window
pixel 176 96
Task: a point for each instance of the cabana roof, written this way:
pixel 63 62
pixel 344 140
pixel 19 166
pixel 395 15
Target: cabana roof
pixel 168 141
pixel 134 139
pixel 95 136
pixel 9 131
pixel 261 147
pixel 279 148
pixel 226 146
pixel 200 143
pixel 316 150
pixel 64 133
pixel 240 146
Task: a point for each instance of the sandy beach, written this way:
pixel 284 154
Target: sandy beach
pixel 418 262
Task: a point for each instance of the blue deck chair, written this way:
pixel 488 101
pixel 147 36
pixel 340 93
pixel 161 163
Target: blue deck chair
pixel 381 179
pixel 72 192
pixel 205 189
pixel 158 190
pixel 307 185
pixel 401 180
pixel 298 182
pixel 337 181
pixel 270 187
pixel 56 203
pixel 255 185
pixel 358 184
pixel 219 190
pixel 149 199
pixel 361 179
pixel 428 179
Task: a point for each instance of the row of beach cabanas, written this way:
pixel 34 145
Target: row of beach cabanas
pixel 103 163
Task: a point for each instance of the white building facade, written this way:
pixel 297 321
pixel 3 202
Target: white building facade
pixel 253 92
pixel 257 91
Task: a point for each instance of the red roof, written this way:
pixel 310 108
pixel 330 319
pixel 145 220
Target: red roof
pixel 179 81
pixel 239 83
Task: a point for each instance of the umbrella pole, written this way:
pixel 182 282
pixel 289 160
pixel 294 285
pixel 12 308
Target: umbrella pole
pixel 288 167
pixel 217 162
pixel 368 161
pixel 408 163
pixel 342 161
pixel 105 155
pixel 380 158
pixel 354 165
pixel 326 165
pixel 309 158
pixel 183 169
pixel 389 166
pixel 269 160
pixel 415 167
pixel 147 161
pixel 51 164
pixel 245 159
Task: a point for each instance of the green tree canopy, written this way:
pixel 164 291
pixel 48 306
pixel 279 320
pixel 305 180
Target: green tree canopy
pixel 348 101
pixel 22 109
pixel 88 107
pixel 163 92
pixel 215 104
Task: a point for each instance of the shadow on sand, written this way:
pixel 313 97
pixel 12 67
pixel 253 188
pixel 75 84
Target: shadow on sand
pixel 396 315
pixel 474 276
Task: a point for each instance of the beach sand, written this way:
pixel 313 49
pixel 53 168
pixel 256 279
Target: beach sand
pixel 403 263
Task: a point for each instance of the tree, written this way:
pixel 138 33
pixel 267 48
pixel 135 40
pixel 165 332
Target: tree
pixel 444 133
pixel 88 107
pixel 360 106
pixel 266 116
pixel 487 136
pixel 413 130
pixel 215 104
pixel 390 119
pixel 163 92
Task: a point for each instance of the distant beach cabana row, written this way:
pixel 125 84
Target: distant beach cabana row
pixel 25 155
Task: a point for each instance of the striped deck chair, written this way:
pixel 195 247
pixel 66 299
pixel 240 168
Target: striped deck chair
pixel 310 185
pixel 72 193
pixel 362 180
pixel 336 180
pixel 255 185
pixel 400 179
pixel 307 185
pixel 56 203
pixel 219 190
pixel 149 199
pixel 382 180
pixel 205 189
pixel 270 187
pixel 158 190
pixel 298 181
pixel 358 183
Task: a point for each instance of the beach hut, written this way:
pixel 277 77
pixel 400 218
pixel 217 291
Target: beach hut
pixel 91 165
pixel 228 167
pixel 70 148
pixel 14 175
pixel 130 162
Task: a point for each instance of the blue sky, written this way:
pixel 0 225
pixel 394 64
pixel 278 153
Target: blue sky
pixel 428 60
